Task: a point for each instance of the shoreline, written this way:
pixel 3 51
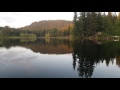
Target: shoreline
pixel 99 38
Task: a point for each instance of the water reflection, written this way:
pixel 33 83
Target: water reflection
pixel 20 62
pixel 54 46
pixel 89 54
pixel 59 58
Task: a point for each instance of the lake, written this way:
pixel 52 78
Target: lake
pixel 53 58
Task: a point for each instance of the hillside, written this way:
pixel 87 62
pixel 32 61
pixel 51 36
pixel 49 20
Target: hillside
pixel 48 24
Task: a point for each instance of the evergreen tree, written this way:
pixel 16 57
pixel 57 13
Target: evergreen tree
pixel 99 22
pixel 93 23
pixel 81 23
pixel 75 24
pixel 109 23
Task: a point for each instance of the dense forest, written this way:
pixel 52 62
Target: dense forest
pixel 96 23
pixel 51 28
pixel 84 24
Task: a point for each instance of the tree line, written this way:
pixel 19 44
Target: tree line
pixel 56 28
pixel 84 24
pixel 90 23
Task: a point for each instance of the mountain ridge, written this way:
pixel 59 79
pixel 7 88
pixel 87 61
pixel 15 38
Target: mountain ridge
pixel 48 24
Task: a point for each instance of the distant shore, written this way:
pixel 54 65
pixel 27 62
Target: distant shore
pixel 99 38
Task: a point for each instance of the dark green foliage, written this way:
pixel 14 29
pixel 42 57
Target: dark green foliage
pixel 75 24
pixel 89 23
pixel 86 24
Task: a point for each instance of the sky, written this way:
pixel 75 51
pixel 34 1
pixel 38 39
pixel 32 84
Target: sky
pixel 21 19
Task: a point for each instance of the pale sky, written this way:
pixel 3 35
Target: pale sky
pixel 20 19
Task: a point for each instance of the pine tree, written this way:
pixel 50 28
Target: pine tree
pixel 75 18
pixel 82 24
pixel 93 23
pixel 105 21
pixel 99 22
pixel 109 22
pixel 75 32
pixel 88 23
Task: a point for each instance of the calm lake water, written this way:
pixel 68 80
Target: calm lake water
pixel 59 59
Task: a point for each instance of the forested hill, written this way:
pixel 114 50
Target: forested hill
pixel 48 24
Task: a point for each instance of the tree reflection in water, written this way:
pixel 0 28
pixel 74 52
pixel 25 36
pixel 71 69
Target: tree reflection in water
pixel 88 54
pixel 54 46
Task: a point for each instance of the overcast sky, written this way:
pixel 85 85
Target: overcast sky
pixel 20 19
